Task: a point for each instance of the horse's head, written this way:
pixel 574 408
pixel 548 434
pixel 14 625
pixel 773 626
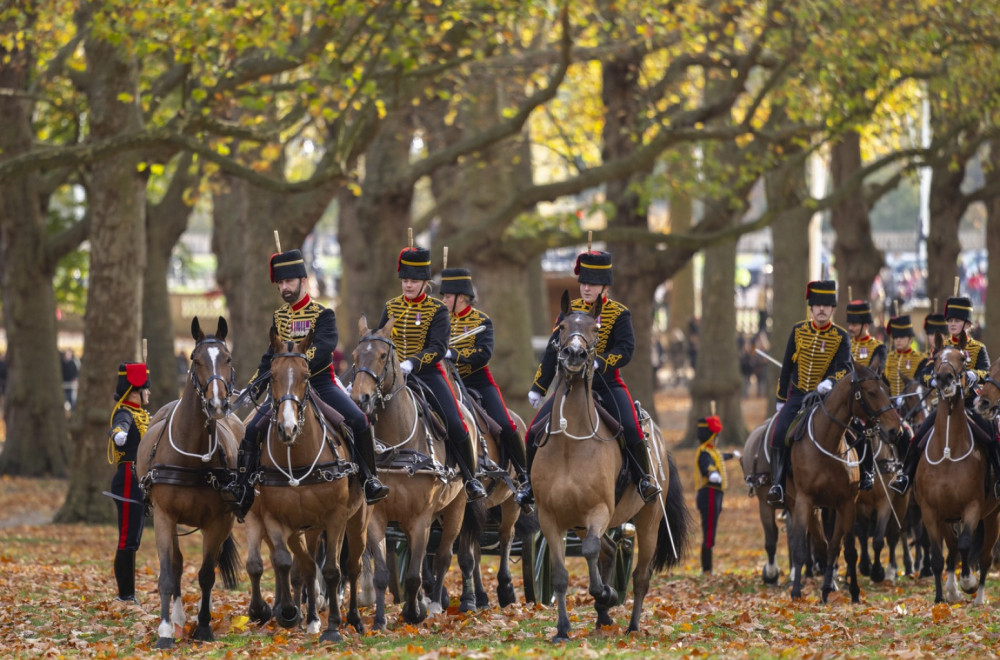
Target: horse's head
pixel 987 403
pixel 949 369
pixel 289 385
pixel 913 406
pixel 212 373
pixel 577 338
pixel 375 359
pixel 870 399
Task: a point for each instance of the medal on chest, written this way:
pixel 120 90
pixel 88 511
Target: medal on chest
pixel 907 364
pixel 822 345
pixel 863 353
pixel 417 322
pixel 300 328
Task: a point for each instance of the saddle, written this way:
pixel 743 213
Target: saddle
pixel 492 426
pixel 414 460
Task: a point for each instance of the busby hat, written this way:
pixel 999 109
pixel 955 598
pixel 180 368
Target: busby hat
pixel 287 266
pixel 899 326
pixel 131 375
pixel 958 307
pixel 707 427
pixel 457 281
pixel 859 311
pixel 822 292
pixel 594 267
pixel 935 323
pixel 414 263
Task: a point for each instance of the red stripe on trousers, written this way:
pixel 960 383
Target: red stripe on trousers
pixel 455 398
pixel 489 376
pixel 710 535
pixel 127 492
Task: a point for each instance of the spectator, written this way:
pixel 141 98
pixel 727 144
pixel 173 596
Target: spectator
pixel 70 376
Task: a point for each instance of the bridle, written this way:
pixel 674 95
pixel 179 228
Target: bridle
pixel 201 388
pixel 857 396
pixel 945 364
pixel 565 353
pixel 300 403
pixel 381 398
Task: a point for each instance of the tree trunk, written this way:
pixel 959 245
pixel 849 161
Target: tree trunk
pixel 36 442
pixel 165 222
pixel 682 308
pixel 991 329
pixel 858 260
pixel 117 264
pixel 947 205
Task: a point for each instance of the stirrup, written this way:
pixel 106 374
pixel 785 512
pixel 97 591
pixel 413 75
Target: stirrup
pixel 776 495
pixel 900 484
pixel 648 488
pixel 474 490
pixel 525 498
pixel 375 490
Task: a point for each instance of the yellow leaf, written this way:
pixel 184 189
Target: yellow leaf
pixel 240 623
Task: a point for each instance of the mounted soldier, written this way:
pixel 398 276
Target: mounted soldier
pixel 420 335
pixel 864 349
pixel 615 345
pixel 129 421
pixel 295 319
pixel 817 354
pixel 471 354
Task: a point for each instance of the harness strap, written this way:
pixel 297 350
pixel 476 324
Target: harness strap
pixel 176 475
pixel 322 473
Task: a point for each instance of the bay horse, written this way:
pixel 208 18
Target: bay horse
pixel 421 487
pixel 825 470
pixel 987 403
pixel 186 455
pixel 575 471
pixel 304 491
pixel 499 485
pixel 951 483
pixel 881 513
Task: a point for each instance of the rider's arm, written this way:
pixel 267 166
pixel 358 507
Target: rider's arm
pixel 324 341
pixel 841 362
pixel 786 369
pixel 437 341
pixel 478 356
pixel 705 463
pixel 546 370
pixel 621 344
pixel 121 422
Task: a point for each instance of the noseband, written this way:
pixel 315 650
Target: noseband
pixel 202 388
pixel 291 397
pixel 380 397
pixel 943 364
pixel 589 346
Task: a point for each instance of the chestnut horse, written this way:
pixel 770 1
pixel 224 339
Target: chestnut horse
pixel 304 491
pixel 824 469
pixel 950 484
pixel 193 442
pixel 420 492
pixel 880 514
pixel 574 475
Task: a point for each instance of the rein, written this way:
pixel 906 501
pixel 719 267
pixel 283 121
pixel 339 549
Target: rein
pixel 381 399
pixel 586 374
pixel 957 396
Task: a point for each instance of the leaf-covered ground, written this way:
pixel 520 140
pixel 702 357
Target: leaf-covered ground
pixel 56 591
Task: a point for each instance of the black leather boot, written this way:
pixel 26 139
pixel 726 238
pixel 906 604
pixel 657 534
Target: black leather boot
pixel 125 574
pixel 903 480
pixel 776 495
pixel 364 456
pixel 645 483
pixel 524 497
pixel 867 466
pixel 240 491
pixel 706 560
pixel 464 457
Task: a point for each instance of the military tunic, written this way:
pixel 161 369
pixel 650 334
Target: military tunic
pixel 708 496
pixel 867 348
pixel 901 367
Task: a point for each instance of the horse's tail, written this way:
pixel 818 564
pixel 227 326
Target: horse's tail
pixel 527 524
pixel 676 525
pixel 229 564
pixel 473 524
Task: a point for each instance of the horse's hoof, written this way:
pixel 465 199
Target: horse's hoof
pixel 826 593
pixel 608 597
pixel 560 638
pixel 417 616
pixel 769 578
pixel 483 601
pixel 165 643
pixel 354 619
pixel 331 636
pixel 289 617
pixel 631 629
pixel 203 634
pixel 604 619
pixel 378 626
pixel 877 573
pixel 505 596
pixel 467 605
pixel 260 615
pixel 445 599
pixel 864 568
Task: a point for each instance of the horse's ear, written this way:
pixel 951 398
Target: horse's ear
pixel 598 306
pixel 362 326
pixel 387 328
pixel 876 364
pixel 564 302
pixel 196 332
pixel 223 329
pixel 275 340
pixel 937 342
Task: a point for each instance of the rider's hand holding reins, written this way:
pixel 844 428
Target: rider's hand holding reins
pixel 406 366
pixel 824 386
pixel 535 399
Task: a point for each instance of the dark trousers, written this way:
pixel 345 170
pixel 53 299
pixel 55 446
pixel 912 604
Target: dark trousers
pixel 332 395
pixel 709 501
pixel 131 516
pixel 785 417
pixel 481 382
pixel 443 400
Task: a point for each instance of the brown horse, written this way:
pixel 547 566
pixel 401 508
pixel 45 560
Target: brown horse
pixel 574 475
pixel 303 489
pixel 193 443
pixel 987 403
pixel 825 474
pixel 421 491
pixel 950 484
pixel 880 514
pixel 500 495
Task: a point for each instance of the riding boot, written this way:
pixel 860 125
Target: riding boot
pixel 125 574
pixel 464 456
pixel 524 496
pixel 776 495
pixel 910 461
pixel 363 450
pixel 706 560
pixel 240 491
pixel 993 452
pixel 646 484
pixel 867 466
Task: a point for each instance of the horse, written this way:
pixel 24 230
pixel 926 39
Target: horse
pixel 950 484
pixel 823 474
pixel 421 487
pixel 182 485
pixel 987 403
pixel 574 474
pixel 499 486
pixel 304 491
pixel 880 515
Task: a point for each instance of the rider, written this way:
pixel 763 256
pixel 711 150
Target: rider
pixel 420 335
pixel 818 353
pixel 472 354
pixel 904 361
pixel 958 317
pixel 709 484
pixel 615 344
pixel 293 321
pixel 129 422
pixel 864 349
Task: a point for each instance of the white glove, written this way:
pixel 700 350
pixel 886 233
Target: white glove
pixel 779 406
pixel 449 354
pixel 535 398
pixel 714 477
pixel 349 387
pixel 120 438
pixel 597 366
pixel 737 453
pixel 824 386
pixel 971 377
pixel 933 383
pixel 406 366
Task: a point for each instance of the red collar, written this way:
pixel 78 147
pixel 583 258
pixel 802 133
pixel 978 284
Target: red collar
pixel 464 312
pixel 300 304
pixel 136 406
pixel 956 338
pixel 861 339
pixel 818 328
pixel 909 349
pixel 418 299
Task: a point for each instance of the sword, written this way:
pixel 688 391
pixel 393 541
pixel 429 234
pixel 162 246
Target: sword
pixel 465 335
pixel 122 499
pixel 767 357
pixel 659 496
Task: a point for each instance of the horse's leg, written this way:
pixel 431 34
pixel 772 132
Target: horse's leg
pixel 798 524
pixel 331 572
pixel 451 525
pixel 509 513
pixel 605 566
pixel 417 532
pixel 212 538
pixel 468 563
pixel 850 550
pixel 933 528
pixel 647 525
pixel 970 522
pixel 306 562
pixel 357 534
pixel 165 529
pixel 892 539
pixel 380 579
pixel 592 544
pixel 259 611
pixel 878 541
pixel 767 520
pixel 286 610
pixel 560 577
pixel 864 559
pixel 991 530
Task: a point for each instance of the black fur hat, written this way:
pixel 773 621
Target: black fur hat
pixel 708 426
pixel 935 323
pixel 859 311
pixel 414 263
pixel 900 326
pixel 958 307
pixel 822 292
pixel 457 281
pixel 594 267
pixel 287 266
